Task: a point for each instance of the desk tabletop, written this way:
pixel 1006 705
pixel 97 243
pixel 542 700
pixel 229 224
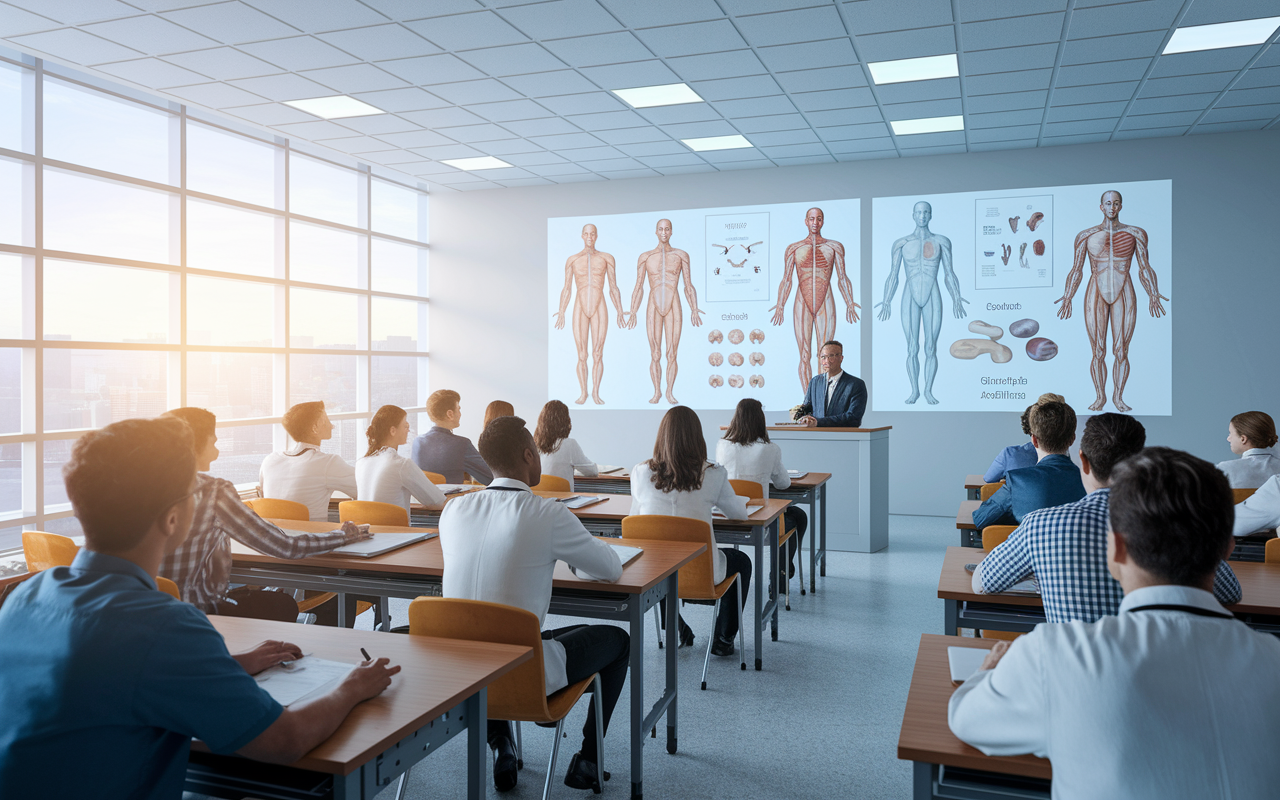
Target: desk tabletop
pixel 617 506
pixel 815 429
pixel 925 734
pixel 974 482
pixel 964 517
pixel 436 675
pixel 809 481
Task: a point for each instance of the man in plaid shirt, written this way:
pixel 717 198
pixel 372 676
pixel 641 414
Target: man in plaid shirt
pixel 1066 546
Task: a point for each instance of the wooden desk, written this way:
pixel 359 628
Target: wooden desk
pixel 970 536
pixel 417 570
pixel 944 766
pixel 439 693
pixel 973 487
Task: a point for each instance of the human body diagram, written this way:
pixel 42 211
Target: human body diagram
pixel 921 254
pixel 590 268
pixel 813 259
pixel 1109 298
pixel 663 267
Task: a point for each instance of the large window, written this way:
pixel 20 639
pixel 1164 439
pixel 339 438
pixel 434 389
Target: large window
pixel 150 260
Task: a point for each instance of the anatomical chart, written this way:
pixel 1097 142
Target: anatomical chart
pixel 648 310
pixel 1062 289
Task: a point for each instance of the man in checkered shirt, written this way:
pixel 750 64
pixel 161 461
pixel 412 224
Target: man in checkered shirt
pixel 1065 547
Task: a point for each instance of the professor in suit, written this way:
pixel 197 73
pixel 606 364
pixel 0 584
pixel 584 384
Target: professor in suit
pixel 834 399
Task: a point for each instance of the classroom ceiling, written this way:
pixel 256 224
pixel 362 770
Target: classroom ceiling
pixel 529 82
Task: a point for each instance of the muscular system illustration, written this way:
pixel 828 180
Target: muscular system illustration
pixel 813 259
pixel 1109 298
pixel 664 266
pixel 920 254
pixel 590 268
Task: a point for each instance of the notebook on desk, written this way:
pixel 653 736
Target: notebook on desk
pixel 382 543
pixel 605 469
pixel 454 488
pixel 626 554
pixel 751 509
pixel 964 661
pixel 795 473
pixel 580 501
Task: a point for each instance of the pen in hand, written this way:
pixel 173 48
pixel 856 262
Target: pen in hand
pixel 366 655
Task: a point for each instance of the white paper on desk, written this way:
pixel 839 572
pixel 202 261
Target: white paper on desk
pixel 751 509
pixel 307 675
pixel 582 501
pixel 454 488
pixel 795 473
pixel 625 554
pixel 1029 586
pixel 606 469
pixel 965 661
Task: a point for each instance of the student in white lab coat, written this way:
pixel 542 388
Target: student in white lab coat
pixel 385 476
pixel 560 454
pixel 1251 436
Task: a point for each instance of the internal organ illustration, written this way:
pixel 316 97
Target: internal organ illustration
pixel 1005 252
pixel 663 266
pixel 921 254
pixel 1013 223
pixel 715 359
pixel 1038 247
pixel 1109 298
pixel 1024 328
pixel 735 359
pixel 756 381
pixel 724 250
pixel 1035 220
pixel 969 349
pixel 986 329
pixel 590 269
pixel 813 259
pixel 736 336
pixel 753 244
pixel 716 381
pixel 757 336
pixel 715 337
pixel 1040 349
pixel 1022 251
pixel 736 266
pixel 735 381
pixel 756 359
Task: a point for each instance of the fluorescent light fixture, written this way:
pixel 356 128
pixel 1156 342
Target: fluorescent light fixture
pixel 914 69
pixel 905 127
pixel 671 94
pixel 473 164
pixel 334 107
pixel 733 142
pixel 1223 34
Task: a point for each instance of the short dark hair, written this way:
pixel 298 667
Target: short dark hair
pixel 831 341
pixel 301 419
pixel 1175 513
pixel 1109 439
pixel 503 442
pixel 748 425
pixel 120 479
pixel 441 402
pixel 203 424
pixel 1054 424
pixel 1047 397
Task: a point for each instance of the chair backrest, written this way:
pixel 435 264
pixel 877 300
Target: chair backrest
pixel 748 489
pixel 989 489
pixel 1272 554
pixel 275 508
pixel 434 477
pixel 994 535
pixel 552 483
pixel 1240 495
pixel 44 550
pixel 697 578
pixel 369 512
pixel 167 586
pixel 521 694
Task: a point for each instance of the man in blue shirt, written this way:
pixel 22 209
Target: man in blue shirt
pixel 104 680
pixel 441 450
pixel 1053 481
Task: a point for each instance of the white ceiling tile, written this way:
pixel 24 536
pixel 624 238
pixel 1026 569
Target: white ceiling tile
pixel 359 145
pixel 1164 105
pixel 1258 76
pixel 700 130
pixel 1112 48
pixel 78 12
pixel 684 159
pixel 547 84
pixel 633 136
pixel 670 115
pixel 861 145
pixel 566 141
pixel 1228 11
pixel 562 168
pixel 482 91
pixel 1010 59
pixel 223 63
pixel 1227 60
pixel 153 72
pixel 507 147
pixel 653 149
pixel 380 42
pixel 971 10
pixel 314 130
pixel 1086 111
pixel 998 33
pixel 231 23
pixel 542 159
pixel 737 88
pixel 1226 127
pixel 1149 133
pixel 1009 101
pixel 692 38
pixel 1241 113
pixel 923 110
pixel 605 48
pixel 1080 126
pixel 578 178
pixel 17 21
pixel 314 17
pixel 75 46
pixel 734 64
pixel 996 119
pixel 150 34
pixel 1212 83
pixel 215 95
pixel 1016 144
pixel 844 116
pixel 378 124
pixel 1020 81
pixel 1113 18
pixel 609 164
pixel 589 103
pixel 517 182
pixel 283 87
pixel 428 70
pixel 355 78
pixel 879 16
pixel 300 52
pixel 629 76
pixel 1100 93
pixel 778 138
pixel 908 44
pixel 914 91
pixel 796 161
pixel 1004 134
pixel 416 140
pixel 671 12
pixel 416 9
pixel 833 98
pixel 400 159
pixel 1261 95
pixel 442 151
pixel 514 59
pixel 941 139
pixel 1079 138
pixel 541 127
pixel 917 152
pixel 811 55
pixel 790 27
pixel 269 113
pixel 561 18
pixel 470 134
pixel 756 107
pixel 442 117
pixel 869 130
pixel 744 7
pixel 509 110
pixel 607 121
pixel 739 154
pixel 702 167
pixel 814 80
pixel 631 173
pixel 774 122
pixel 401 100
pixel 1087 74
pixel 467 31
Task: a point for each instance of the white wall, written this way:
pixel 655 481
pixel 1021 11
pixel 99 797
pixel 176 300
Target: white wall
pixel 489 289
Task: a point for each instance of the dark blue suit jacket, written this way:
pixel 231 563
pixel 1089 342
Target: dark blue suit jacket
pixel 1055 481
pixel 848 402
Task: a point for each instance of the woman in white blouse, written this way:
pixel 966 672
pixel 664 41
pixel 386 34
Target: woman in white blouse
pixel 1251 436
pixel 678 482
pixel 748 455
pixel 385 476
pixel 560 454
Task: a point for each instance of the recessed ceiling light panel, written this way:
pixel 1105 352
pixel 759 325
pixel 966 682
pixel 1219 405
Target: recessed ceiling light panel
pixel 906 127
pixel 733 142
pixel 1223 34
pixel 335 107
pixel 473 164
pixel 914 69
pixel 670 94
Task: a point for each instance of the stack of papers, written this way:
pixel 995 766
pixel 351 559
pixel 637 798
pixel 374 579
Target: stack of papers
pixel 964 661
pixel 795 473
pixel 625 554
pixel 580 501
pixel 294 680
pixel 381 543
pixel 454 488
pixel 751 509
pixel 605 469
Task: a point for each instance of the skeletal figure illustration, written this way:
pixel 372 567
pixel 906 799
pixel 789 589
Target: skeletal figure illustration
pixel 1022 261
pixel 814 313
pixel 1005 252
pixel 920 254
pixel 757 381
pixel 756 359
pixel 590 268
pixel 1013 223
pixel 664 266
pixel 753 244
pixel 1109 299
pixel 736 266
pixel 724 250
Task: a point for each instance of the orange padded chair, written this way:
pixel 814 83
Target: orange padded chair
pixel 369 512
pixel 994 535
pixel 434 477
pixel 989 489
pixel 521 694
pixel 552 483
pixel 168 587
pixel 1272 553
pixel 697 578
pixel 44 550
pixel 1242 494
pixel 273 508
pixel 754 491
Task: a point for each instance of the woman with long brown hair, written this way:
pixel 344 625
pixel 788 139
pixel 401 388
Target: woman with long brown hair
pixel 560 454
pixel 385 476
pixel 498 408
pixel 1251 436
pixel 678 482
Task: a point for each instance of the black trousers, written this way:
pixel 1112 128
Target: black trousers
pixel 588 649
pixel 793 517
pixel 729 618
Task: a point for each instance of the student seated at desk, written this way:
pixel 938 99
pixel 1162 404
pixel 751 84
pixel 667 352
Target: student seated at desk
pixel 443 451
pixel 498 408
pixel 201 565
pixel 560 454
pixel 303 473
pixel 501 545
pixel 1251 436
pixel 1173 697
pixel 747 454
pixel 385 476
pixel 104 680
pixel 678 482
pixel 1261 511
pixel 1017 456
pixel 1051 482
pixel 1065 547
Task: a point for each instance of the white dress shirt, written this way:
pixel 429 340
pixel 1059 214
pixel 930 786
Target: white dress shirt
pixel 567 457
pixel 832 380
pixel 1252 469
pixel 1261 511
pixel 716 491
pixel 757 462
pixel 501 545
pixel 388 477
pixel 308 476
pixel 1153 703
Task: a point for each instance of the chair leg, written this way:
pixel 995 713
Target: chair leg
pixel 551 766
pixel 403 786
pixel 598 702
pixel 715 614
pixel 782 575
pixel 800 561
pixel 742 629
pixel 657 625
pixel 519 748
pixel 384 611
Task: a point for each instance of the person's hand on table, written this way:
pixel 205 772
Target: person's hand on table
pixel 808 421
pixel 356 532
pixel 996 653
pixel 370 679
pixel 267 654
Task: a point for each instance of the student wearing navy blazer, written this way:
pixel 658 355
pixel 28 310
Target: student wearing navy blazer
pixel 833 406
